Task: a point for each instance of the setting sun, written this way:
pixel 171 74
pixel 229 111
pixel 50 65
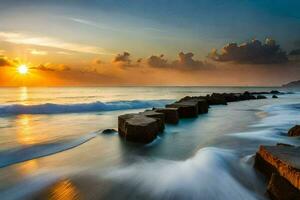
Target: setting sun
pixel 23 69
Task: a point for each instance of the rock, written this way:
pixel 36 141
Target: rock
pixel 295 131
pixel 279 188
pixel 186 109
pixel 216 99
pixel 261 97
pixel 138 128
pixel 202 103
pixel 160 117
pixel 274 96
pixel 284 161
pixel 258 93
pixel 171 114
pixel 246 96
pixel 231 97
pixel 109 131
pixel 284 144
pixel 275 92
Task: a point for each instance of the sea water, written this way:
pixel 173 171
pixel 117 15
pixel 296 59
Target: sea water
pixel 51 144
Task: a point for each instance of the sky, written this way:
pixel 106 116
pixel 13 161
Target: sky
pixel 144 42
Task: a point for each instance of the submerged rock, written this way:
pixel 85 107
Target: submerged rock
pixel 138 127
pixel 274 96
pixel 261 97
pixel 171 114
pixel 275 92
pixel 186 109
pixel 109 131
pixel 295 131
pixel 281 164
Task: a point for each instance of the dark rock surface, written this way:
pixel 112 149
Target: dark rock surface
pixel 295 131
pixel 201 101
pixel 284 162
pixel 261 97
pixel 274 96
pixel 159 117
pixel 171 114
pixel 109 131
pixel 186 109
pixel 280 189
pixel 275 92
pixel 216 99
pixel 138 128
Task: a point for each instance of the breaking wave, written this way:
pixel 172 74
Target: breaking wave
pixel 50 108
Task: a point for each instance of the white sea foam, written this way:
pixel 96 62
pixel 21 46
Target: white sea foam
pixel 49 108
pixel 207 175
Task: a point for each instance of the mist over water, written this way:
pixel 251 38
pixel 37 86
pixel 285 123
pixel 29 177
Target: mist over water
pixel 209 157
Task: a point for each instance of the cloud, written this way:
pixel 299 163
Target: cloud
pixel 51 67
pixel 38 52
pixel 5 62
pixel 43 67
pixel 123 59
pixel 19 38
pixel 63 53
pixel 158 61
pixel 253 52
pixel 185 61
pixel 97 61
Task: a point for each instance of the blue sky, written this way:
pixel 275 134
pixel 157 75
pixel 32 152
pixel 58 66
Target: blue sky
pixel 78 32
pixel 163 26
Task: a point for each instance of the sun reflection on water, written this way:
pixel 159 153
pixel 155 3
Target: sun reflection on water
pixel 28 167
pixel 25 135
pixel 23 94
pixel 63 190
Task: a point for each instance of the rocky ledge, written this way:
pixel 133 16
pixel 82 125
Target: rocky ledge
pixel 281 164
pixel 144 127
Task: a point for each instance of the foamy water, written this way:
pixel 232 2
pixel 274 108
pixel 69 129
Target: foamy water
pixel 209 157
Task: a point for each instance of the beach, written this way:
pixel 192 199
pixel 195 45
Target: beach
pixel 52 144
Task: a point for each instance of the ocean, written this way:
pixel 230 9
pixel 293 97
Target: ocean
pixel 51 145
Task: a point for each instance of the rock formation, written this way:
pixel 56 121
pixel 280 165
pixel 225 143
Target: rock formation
pixel 295 131
pixel 281 164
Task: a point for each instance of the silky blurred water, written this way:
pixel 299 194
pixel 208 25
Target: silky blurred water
pixel 209 157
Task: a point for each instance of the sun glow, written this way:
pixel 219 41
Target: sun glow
pixel 23 69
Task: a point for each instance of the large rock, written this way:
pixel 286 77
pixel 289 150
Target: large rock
pixel 295 131
pixel 138 127
pixel 201 101
pixel 247 96
pixel 275 92
pixel 280 189
pixel 283 161
pixel 274 96
pixel 231 97
pixel 160 117
pixel 171 114
pixel 261 97
pixel 216 99
pixel 186 109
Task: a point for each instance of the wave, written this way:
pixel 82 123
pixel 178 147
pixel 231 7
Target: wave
pixel 50 108
pixel 12 156
pixel 194 178
pixel 282 115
